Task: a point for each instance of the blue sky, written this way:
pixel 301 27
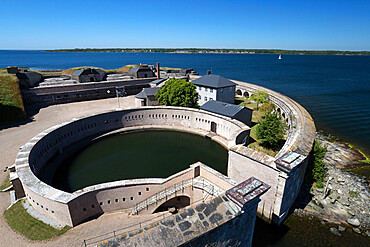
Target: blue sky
pixel 310 25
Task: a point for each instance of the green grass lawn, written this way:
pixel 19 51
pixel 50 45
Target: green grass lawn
pixel 19 220
pixel 5 184
pixel 11 104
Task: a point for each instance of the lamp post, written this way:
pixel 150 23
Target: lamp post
pixel 120 91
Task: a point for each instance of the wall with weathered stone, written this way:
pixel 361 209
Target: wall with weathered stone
pixel 247 163
pixel 81 91
pixel 34 167
pixel 235 232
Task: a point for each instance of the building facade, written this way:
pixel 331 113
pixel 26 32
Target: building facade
pixel 146 97
pixel 215 87
pixel 141 72
pixel 88 75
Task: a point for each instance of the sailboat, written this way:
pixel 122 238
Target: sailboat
pixel 279 57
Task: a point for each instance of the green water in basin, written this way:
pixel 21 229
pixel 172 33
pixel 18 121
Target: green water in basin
pixel 140 154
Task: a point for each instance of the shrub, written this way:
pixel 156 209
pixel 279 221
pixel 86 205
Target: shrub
pixel 319 185
pixel 316 167
pixel 271 130
pixel 267 107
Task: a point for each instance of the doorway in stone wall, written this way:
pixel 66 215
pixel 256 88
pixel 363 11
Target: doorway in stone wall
pixel 213 127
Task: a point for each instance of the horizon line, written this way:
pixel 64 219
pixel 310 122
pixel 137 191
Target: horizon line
pixel 178 48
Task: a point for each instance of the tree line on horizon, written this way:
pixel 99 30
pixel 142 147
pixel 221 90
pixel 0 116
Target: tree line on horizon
pixel 201 50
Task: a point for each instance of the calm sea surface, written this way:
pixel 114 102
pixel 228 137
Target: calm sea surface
pixel 334 89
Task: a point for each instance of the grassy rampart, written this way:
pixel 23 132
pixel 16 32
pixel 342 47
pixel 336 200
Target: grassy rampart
pixel 11 104
pixel 19 220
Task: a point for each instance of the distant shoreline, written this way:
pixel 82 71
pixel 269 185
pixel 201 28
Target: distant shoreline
pixel 213 51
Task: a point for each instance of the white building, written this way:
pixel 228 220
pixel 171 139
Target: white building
pixel 215 87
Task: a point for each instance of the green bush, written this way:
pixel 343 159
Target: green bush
pixel 267 107
pixel 316 167
pixel 271 130
pixel 319 185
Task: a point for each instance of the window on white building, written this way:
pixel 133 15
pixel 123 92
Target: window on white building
pixel 200 97
pixel 211 90
pixel 205 89
pixel 205 98
pixel 210 98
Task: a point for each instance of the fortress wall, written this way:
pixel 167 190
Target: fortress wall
pixel 53 209
pixel 33 161
pixel 57 139
pixel 81 91
pixel 222 181
pixel 120 195
pixel 289 185
pixel 237 231
pixel 299 139
pixel 241 167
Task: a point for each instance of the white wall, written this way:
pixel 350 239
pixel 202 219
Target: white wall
pixel 206 94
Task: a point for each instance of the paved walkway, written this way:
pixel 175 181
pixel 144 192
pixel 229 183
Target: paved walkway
pixel 11 139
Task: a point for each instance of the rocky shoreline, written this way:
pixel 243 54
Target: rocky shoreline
pixel 345 198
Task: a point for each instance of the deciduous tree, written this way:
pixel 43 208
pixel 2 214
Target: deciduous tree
pixel 271 130
pixel 260 97
pixel 177 92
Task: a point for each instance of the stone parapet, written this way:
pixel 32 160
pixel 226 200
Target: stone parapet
pixel 34 168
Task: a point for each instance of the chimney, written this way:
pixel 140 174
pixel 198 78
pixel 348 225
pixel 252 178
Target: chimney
pixel 158 72
pixel 208 72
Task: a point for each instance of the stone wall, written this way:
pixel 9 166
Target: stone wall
pixel 81 91
pixel 285 182
pixel 33 161
pixel 225 220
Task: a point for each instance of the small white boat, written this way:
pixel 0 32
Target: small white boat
pixel 279 57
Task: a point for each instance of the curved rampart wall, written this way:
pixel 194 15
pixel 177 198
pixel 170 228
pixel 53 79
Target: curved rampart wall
pixel 72 208
pixel 285 183
pixel 301 127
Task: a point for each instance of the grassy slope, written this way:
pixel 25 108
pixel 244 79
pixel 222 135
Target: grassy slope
pixel 11 104
pixel 19 220
pixel 5 184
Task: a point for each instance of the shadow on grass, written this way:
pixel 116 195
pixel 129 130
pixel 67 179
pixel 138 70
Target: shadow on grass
pixel 251 140
pixel 276 147
pixel 14 116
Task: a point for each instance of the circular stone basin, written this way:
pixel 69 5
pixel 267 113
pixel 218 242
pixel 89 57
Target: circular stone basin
pixel 139 154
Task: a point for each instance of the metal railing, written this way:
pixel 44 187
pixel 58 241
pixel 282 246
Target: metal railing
pixel 194 183
pixel 166 193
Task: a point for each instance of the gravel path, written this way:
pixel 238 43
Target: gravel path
pixel 11 139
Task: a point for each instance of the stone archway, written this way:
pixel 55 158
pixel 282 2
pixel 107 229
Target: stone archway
pixel 246 94
pixel 238 92
pixel 176 202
